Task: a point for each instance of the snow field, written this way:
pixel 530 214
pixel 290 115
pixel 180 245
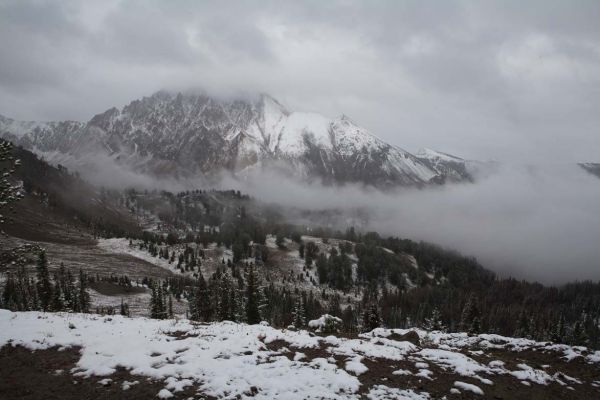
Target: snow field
pixel 227 360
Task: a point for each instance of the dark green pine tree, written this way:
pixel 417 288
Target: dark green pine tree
pixel 252 306
pixel 203 301
pixel 470 319
pixel 44 286
pixel 170 309
pixel 83 300
pixel 154 311
pixel 124 309
pixel 160 302
pixel 299 314
pixel 559 333
pixel 322 268
pixel 70 293
pixel 578 335
pixel 225 295
pixel 10 297
pixel 434 322
pixel 522 330
pixel 58 303
pixel 371 317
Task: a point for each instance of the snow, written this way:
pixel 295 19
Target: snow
pixel 381 392
pixel 356 366
pixel 121 246
pixel 226 359
pixel 424 373
pixel 534 375
pixel 126 385
pixel 468 387
pixel 164 394
pixel 402 372
pixel 459 363
pixel 223 359
pixel 321 322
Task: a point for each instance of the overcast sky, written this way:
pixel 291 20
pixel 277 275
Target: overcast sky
pixel 514 81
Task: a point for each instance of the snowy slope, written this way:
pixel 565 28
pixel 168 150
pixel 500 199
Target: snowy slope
pixel 228 360
pixel 447 166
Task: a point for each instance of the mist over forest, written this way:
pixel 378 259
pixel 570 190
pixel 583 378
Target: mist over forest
pixel 534 222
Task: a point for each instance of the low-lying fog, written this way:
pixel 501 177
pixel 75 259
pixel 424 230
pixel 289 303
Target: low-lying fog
pixel 538 223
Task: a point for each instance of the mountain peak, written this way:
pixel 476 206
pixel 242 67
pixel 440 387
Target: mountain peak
pixel 269 103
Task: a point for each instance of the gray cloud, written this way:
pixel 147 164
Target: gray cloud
pixel 487 80
pixel 536 223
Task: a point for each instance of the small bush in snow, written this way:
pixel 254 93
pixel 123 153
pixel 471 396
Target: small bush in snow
pixel 326 324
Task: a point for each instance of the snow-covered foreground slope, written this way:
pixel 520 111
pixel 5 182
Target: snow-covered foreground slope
pixel 229 360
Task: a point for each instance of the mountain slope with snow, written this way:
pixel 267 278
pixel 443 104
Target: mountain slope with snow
pixel 447 167
pixel 193 134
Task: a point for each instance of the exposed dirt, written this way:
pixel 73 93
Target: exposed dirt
pixel 35 221
pixel 380 372
pixel 112 289
pixel 45 374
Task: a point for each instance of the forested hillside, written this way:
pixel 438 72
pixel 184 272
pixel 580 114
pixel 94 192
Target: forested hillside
pixel 231 257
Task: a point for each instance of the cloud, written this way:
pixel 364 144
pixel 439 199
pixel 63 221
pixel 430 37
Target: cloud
pixel 486 80
pixel 530 222
pixel 536 223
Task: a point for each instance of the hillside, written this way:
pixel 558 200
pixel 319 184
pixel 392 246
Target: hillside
pixel 134 357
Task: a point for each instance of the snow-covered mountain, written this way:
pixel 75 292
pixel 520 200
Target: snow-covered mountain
pixel 447 167
pixel 191 134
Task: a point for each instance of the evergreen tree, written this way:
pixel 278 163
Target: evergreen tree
pixel 124 309
pixel 70 293
pixel 434 322
pixel 559 333
pixel 83 295
pixel 470 320
pixel 578 336
pixel 371 317
pixel 226 298
pixel 160 302
pixel 299 315
pixel 57 298
pixel 203 301
pixel 170 310
pixel 44 286
pixel 252 310
pixel 522 330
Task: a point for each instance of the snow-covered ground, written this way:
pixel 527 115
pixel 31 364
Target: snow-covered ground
pixel 121 246
pixel 228 360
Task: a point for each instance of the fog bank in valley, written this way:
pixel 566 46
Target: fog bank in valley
pixel 532 222
pixel 539 223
